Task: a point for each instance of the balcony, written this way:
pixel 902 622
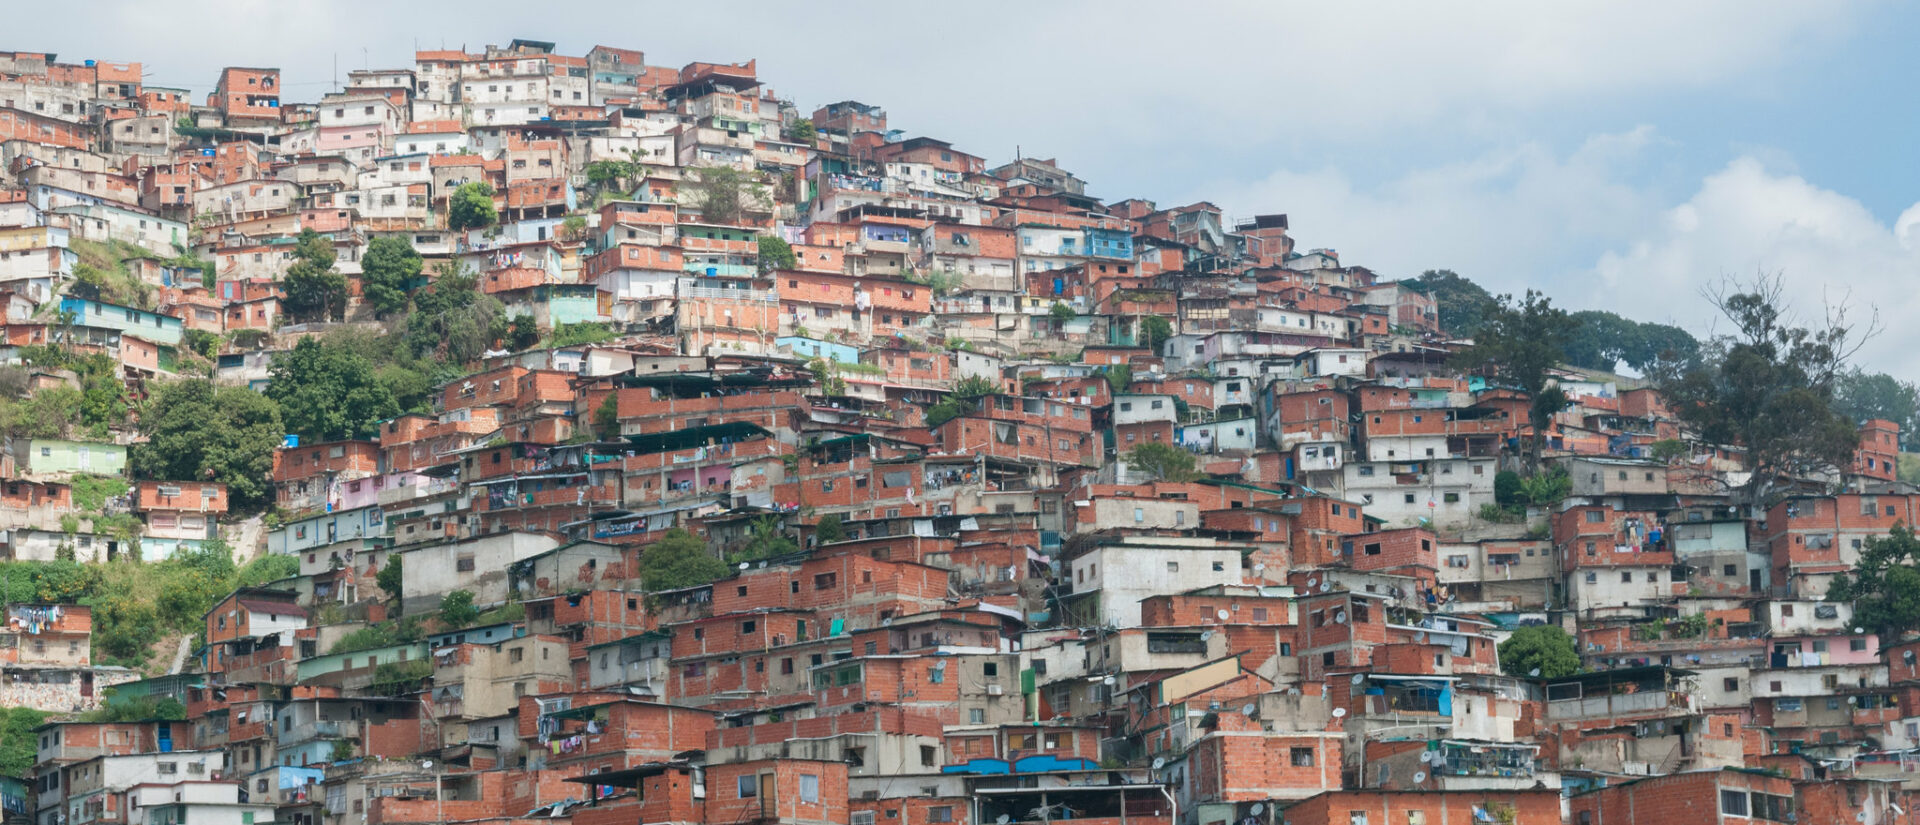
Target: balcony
pixel 1588 707
pixel 320 729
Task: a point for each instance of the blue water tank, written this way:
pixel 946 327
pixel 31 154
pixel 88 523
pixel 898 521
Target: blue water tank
pixel 292 440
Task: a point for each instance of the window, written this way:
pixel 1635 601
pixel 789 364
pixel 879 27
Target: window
pixel 809 789
pixel 1595 516
pixel 939 813
pixel 1733 803
pixel 1302 757
pixel 747 785
pixel 1356 818
pixel 928 756
pixel 1730 685
pixel 1856 645
pixel 976 716
pixel 1173 567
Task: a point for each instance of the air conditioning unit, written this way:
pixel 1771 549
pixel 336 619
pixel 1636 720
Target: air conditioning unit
pixel 995 690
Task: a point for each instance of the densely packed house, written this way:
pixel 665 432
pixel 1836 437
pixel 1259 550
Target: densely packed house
pixel 1032 507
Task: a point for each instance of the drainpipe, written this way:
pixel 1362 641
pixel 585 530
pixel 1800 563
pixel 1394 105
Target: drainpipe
pixel 1172 806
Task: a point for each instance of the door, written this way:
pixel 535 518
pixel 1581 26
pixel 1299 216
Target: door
pixel 769 807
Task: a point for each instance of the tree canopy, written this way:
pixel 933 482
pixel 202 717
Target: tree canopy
pixel 471 207
pixel 1864 396
pixel 724 193
pixel 1768 387
pixel 1521 341
pixel 388 271
pixel 454 318
pixel 776 253
pixel 1884 586
pixel 314 291
pixel 1603 340
pixel 198 431
pixel 1462 305
pixel 327 392
pixel 1162 462
pixel 1545 648
pixel 679 559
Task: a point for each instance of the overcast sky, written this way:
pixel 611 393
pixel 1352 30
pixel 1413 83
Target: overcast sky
pixel 1619 155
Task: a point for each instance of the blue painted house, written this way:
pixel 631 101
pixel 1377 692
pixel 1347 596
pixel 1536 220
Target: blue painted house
pixel 152 326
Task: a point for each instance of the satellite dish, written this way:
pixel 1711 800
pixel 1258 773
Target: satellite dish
pixel 1860 817
pixel 1221 615
pixel 1003 819
pixel 1859 630
pixel 1258 567
pixel 1205 635
pixel 1107 681
pixel 1247 709
pixel 1339 713
pixel 1426 757
pixel 1326 586
pixel 1419 777
pixel 1359 677
pixel 1534 672
pixel 1339 617
pixel 1159 762
pixel 1312 581
pixel 426 765
pixel 1256 809
pixel 744 565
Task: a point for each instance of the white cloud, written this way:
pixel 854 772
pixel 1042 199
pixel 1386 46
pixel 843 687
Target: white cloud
pixel 1509 218
pixel 1826 246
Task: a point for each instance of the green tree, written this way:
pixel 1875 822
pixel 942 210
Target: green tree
pixel 1546 487
pixel 1157 330
pixel 1864 396
pixel 679 559
pixel 1462 305
pixel 457 610
pixel 964 399
pixel 197 431
pixel 454 318
pixel 573 229
pixel 523 333
pixel 1543 651
pixel 723 194
pixel 1508 490
pixel 1061 313
pixel 776 253
pixel 327 393
pixel 51 412
pixel 390 574
pixel 765 539
pixel 271 567
pixel 829 529
pixel 1884 586
pixel 19 744
pixel 471 207
pixel 606 418
pixel 314 291
pixel 1162 462
pixel 1768 387
pixel 204 342
pixel 1521 342
pixel 388 272
pixel 802 131
pixel 1119 377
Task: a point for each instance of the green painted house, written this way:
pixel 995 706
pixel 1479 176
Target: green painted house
pixel 53 456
